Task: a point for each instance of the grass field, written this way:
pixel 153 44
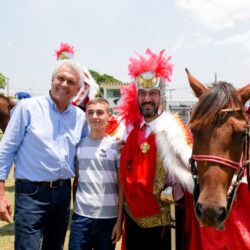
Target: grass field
pixel 7 229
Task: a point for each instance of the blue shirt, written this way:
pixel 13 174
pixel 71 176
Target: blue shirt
pixel 41 140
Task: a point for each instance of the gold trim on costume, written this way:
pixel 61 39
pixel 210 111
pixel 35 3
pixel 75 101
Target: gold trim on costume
pixel 148 80
pixel 163 218
pixel 147 83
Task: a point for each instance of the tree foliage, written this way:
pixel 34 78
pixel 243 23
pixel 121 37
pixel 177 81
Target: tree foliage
pixel 102 78
pixel 3 81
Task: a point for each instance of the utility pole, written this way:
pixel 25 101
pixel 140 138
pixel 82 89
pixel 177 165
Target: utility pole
pixel 170 93
pixel 215 77
pixel 166 104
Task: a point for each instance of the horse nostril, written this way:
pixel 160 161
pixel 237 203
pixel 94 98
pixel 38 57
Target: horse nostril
pixel 221 213
pixel 199 209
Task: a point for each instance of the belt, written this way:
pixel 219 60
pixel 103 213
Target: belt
pixel 50 184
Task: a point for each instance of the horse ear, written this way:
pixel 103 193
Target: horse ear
pixel 197 86
pixel 244 93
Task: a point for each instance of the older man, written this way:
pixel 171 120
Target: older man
pixel 41 138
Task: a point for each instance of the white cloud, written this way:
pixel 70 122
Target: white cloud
pixel 217 14
pixel 178 44
pixel 242 40
pixel 195 40
pixel 199 41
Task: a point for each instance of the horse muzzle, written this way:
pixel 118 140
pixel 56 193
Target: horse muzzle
pixel 210 216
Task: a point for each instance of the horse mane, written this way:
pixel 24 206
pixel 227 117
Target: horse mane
pixel 220 96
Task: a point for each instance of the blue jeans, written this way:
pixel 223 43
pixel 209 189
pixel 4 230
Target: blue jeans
pixel 88 233
pixel 41 216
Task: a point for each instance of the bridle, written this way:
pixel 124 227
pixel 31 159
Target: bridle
pixel 240 166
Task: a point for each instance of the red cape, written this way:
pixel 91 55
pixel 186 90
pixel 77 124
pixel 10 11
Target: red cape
pixel 235 236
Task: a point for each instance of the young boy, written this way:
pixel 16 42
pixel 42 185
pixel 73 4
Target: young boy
pixel 97 218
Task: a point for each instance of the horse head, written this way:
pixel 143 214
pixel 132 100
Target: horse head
pixel 6 104
pixel 218 123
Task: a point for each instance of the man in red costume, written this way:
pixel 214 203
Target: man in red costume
pixel 155 156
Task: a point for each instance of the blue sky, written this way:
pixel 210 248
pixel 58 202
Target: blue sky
pixel 207 36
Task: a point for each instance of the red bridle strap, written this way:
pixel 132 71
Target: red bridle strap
pixel 217 159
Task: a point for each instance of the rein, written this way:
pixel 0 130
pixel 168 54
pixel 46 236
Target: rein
pixel 241 166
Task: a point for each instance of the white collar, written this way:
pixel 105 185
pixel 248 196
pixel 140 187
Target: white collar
pixel 153 124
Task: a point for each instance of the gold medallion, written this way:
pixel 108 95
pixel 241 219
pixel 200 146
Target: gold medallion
pixel 144 147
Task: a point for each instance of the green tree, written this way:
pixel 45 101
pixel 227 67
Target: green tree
pixel 3 81
pixel 102 78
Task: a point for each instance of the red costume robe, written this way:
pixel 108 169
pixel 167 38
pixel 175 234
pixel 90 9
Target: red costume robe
pixel 235 236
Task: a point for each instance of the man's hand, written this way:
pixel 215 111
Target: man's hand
pixel 5 209
pixel 120 145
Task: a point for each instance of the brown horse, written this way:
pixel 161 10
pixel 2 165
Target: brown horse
pixel 218 124
pixel 6 104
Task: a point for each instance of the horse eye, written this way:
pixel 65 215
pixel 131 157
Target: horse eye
pixel 193 131
pixel 243 135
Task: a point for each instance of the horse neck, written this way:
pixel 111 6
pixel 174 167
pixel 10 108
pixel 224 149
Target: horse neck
pixel 12 103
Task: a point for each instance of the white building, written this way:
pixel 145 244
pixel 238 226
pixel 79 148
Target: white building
pixel 111 92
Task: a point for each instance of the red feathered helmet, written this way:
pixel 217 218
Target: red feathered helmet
pixel 151 71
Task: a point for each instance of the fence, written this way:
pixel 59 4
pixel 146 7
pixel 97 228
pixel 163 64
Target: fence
pixel 183 111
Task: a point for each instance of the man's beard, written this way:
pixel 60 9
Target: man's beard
pixel 148 113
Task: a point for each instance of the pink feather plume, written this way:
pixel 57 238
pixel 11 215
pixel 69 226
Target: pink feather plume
pixel 129 110
pixel 64 47
pixel 153 62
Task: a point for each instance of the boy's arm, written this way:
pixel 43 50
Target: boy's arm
pixel 117 230
pixel 120 198
pixel 75 182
